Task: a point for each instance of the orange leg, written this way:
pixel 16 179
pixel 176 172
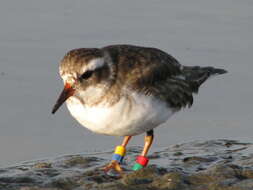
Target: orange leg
pixel 142 160
pixel 125 141
pixel 114 164
pixel 148 142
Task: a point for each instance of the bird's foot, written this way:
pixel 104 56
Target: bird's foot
pixel 113 168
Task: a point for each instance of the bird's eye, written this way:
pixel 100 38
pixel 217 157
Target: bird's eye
pixel 86 75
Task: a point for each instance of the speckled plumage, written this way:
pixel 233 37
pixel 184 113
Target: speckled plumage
pixel 129 73
pixel 147 70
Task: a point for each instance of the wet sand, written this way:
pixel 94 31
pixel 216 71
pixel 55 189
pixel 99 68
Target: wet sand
pixel 197 165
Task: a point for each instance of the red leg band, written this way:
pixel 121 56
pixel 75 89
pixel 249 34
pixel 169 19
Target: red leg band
pixel 142 160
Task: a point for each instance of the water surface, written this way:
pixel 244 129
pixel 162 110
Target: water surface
pixel 35 35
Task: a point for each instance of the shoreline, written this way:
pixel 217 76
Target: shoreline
pixel 214 164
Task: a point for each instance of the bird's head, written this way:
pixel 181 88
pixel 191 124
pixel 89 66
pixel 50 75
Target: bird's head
pixel 86 74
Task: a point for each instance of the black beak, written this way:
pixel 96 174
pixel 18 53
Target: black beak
pixel 66 93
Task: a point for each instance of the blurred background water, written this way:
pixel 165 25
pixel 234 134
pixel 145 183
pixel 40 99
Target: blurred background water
pixel 34 36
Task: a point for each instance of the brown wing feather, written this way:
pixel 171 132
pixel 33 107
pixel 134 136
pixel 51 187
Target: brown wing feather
pixel 152 72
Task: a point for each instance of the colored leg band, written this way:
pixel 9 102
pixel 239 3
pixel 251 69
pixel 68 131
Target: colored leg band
pixel 137 167
pixel 141 162
pixel 117 157
pixel 120 150
pixel 119 153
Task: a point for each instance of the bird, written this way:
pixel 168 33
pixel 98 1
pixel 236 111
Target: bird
pixel 126 90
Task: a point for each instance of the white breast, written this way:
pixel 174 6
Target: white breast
pixel 126 117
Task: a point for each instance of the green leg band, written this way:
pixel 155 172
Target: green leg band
pixel 137 167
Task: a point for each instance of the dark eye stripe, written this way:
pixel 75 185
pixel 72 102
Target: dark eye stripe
pixel 86 75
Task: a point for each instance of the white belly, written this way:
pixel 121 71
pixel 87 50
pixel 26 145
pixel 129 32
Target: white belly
pixel 123 118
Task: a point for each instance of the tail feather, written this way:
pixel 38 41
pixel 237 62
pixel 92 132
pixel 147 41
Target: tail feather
pixel 214 71
pixel 198 75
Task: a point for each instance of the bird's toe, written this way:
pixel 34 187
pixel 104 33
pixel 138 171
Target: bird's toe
pixel 113 168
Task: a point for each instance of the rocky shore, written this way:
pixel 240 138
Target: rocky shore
pixel 198 165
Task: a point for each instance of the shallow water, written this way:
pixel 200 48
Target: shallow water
pixel 213 164
pixel 35 35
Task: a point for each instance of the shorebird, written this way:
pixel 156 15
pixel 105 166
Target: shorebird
pixel 126 90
